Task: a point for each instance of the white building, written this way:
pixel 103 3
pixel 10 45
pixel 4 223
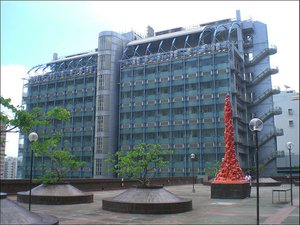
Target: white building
pixel 288 101
pixel 10 167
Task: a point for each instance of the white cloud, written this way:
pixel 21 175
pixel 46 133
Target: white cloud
pixel 12 83
pixel 11 87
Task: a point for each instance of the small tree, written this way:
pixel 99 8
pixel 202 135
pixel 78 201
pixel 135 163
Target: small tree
pixel 61 160
pixel 212 169
pixel 17 119
pixel 140 163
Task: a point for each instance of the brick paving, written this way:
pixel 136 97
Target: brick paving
pixel 205 210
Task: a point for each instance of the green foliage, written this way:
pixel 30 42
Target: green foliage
pixel 212 169
pixel 141 162
pixel 60 160
pixel 25 121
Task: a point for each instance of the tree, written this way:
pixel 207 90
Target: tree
pixel 25 121
pixel 17 119
pixel 61 160
pixel 141 162
pixel 212 169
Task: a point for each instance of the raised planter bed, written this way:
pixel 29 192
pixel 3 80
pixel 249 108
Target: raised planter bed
pixel 147 200
pixel 55 194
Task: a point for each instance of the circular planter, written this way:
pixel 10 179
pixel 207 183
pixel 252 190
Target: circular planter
pixel 147 200
pixel 13 213
pixel 55 194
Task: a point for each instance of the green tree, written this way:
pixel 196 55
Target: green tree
pixel 61 160
pixel 213 168
pixel 17 119
pixel 140 163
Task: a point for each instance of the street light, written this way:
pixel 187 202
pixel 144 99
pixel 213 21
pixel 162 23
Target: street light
pixel 192 159
pixel 256 125
pixel 289 145
pixel 32 138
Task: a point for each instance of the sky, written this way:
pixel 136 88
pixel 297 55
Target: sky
pixel 31 31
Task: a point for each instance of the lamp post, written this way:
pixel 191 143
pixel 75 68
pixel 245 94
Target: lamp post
pixel 192 159
pixel 289 145
pixel 32 138
pixel 256 125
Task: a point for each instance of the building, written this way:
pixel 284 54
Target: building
pixel 173 87
pixel 168 88
pixel 76 82
pixel 2 150
pixel 10 168
pixel 288 101
pixel 69 82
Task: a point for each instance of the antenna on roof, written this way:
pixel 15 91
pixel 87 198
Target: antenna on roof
pixel 286 87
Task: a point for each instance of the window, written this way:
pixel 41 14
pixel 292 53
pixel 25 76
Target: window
pixel 164 112
pixel 103 81
pixel 138 72
pixel 150 92
pixel 137 114
pixel 77 82
pixel 163 68
pixel 150 113
pixel 291 123
pixel 164 135
pixel 104 62
pixel 178 134
pixel 290 111
pixel 126 73
pixel 191 64
pixel 221 59
pixel 192 110
pixel 150 69
pixel 98 166
pixel 222 83
pixel 105 43
pixel 206 62
pixel 191 87
pixel 100 124
pixel 177 66
pixel 163 90
pixel 139 93
pixel 99 145
pixel 150 136
pixel 70 83
pixel 126 94
pixel 51 86
pixel 101 103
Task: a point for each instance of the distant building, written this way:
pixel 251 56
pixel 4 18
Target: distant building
pixel 2 150
pixel 10 170
pixel 288 101
pixel 168 88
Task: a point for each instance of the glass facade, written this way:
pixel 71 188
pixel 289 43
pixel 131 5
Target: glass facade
pixel 70 84
pixel 178 104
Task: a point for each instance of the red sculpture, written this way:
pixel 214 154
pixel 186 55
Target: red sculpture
pixel 230 170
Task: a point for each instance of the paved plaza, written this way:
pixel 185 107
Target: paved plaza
pixel 205 210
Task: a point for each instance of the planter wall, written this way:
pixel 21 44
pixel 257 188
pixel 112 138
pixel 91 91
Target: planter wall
pixel 12 186
pixel 229 191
